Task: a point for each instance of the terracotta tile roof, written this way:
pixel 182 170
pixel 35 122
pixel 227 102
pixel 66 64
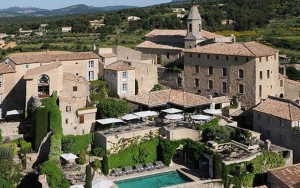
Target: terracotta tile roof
pixel 163 97
pixel 282 108
pixel 292 82
pixel 42 57
pixel 149 44
pixel 108 55
pixel 222 99
pixel 290 176
pixel 74 78
pixel 179 33
pixel 119 66
pixel 40 70
pixel 5 68
pixel 252 49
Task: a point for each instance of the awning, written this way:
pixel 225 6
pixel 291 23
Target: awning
pixel 101 183
pixel 130 117
pixel 172 111
pixel 69 156
pixel 146 113
pixel 199 117
pixel 174 116
pixel 14 112
pixel 213 111
pixel 77 186
pixel 109 121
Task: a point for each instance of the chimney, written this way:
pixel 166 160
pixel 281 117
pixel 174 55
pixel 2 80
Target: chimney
pixel 210 97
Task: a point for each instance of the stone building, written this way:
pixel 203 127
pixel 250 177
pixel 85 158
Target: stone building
pixel 66 29
pixel 291 89
pixel 286 177
pixel 144 65
pixel 278 120
pixel 169 44
pixel 246 70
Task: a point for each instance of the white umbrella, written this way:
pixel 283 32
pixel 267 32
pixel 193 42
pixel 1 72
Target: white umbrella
pixel 174 116
pixel 199 117
pixel 143 114
pixel 130 117
pixel 14 112
pixel 212 111
pixel 77 186
pixel 100 183
pixel 172 111
pixel 109 121
pixel 69 156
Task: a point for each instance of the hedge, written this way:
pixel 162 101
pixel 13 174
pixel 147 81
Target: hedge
pixel 55 176
pixel 6 153
pixel 166 150
pixel 142 153
pixel 217 166
pixel 41 126
pixel 55 149
pixel 88 180
pixel 25 146
pixel 74 144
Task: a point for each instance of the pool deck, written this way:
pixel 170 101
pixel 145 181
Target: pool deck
pixel 192 174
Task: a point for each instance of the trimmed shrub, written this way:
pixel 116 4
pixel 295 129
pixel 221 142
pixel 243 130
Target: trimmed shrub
pixel 97 164
pixel 55 149
pixel 144 152
pixel 88 180
pixel 74 144
pixel 217 166
pixel 82 157
pixel 167 150
pixel 6 152
pixel 54 174
pixel 41 126
pixel 25 146
pixel 105 167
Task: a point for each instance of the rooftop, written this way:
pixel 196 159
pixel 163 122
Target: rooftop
pixel 163 97
pixel 50 56
pixel 282 108
pixel 179 33
pixel 108 55
pixel 119 66
pixel 251 49
pixel 149 44
pixel 5 68
pixel 74 78
pixel 289 176
pixel 40 70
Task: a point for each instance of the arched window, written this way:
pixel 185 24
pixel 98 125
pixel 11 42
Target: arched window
pixel 190 27
pixel 43 86
pixel 168 55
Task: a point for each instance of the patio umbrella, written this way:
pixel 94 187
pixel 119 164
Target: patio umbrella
pixel 143 114
pixel 213 111
pixel 199 117
pixel 128 117
pixel 109 121
pixel 101 183
pixel 77 186
pixel 69 156
pixel 174 116
pixel 172 111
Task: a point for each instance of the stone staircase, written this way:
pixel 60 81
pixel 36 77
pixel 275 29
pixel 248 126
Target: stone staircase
pixel 44 150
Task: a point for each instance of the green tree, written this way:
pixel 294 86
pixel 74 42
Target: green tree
pixel 218 133
pixel 82 157
pixel 105 167
pixel 1 137
pixel 88 179
pixel 111 107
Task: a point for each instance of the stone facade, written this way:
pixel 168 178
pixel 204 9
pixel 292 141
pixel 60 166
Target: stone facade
pixel 208 70
pixel 291 89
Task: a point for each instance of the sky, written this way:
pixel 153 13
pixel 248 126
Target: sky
pixel 54 4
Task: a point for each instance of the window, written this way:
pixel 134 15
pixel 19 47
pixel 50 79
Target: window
pixel 241 73
pixel 217 57
pixel 247 59
pixel 179 82
pixel 268 73
pixel 267 58
pixel 91 75
pixel 68 108
pixel 197 68
pixel 77 74
pixel 241 89
pixel 224 87
pixel 196 82
pixel 269 119
pixel 26 66
pixel 91 64
pixel 281 83
pixel 210 84
pixel 224 71
pixel 1 76
pixel 124 75
pixel 258 116
pixel 236 59
pixel 199 55
pixel 81 119
pixel 208 56
pixel 191 55
pixel 43 86
pixel 190 27
pixel 227 58
pixel 74 88
pixel 124 88
pixel 76 63
pixel 168 55
pixel 260 59
pixel 1 84
pixel 199 27
pixel 260 91
pixel 281 122
pixel 260 75
pixel 67 121
pixel 210 70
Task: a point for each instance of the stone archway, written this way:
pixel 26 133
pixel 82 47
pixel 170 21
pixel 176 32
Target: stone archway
pixel 43 86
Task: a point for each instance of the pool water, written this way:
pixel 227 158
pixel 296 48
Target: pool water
pixel 154 181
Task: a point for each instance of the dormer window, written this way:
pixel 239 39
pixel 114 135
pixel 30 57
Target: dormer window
pixel 190 27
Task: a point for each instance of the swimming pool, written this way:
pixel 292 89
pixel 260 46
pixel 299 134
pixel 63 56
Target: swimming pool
pixel 155 181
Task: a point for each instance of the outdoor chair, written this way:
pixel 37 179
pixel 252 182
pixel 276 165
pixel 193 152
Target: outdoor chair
pixel 149 166
pixel 139 168
pixel 159 164
pixel 128 170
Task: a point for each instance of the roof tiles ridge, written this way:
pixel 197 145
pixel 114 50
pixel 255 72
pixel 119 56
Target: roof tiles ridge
pixel 244 44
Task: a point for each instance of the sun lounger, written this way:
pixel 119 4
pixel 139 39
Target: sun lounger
pixel 159 164
pixel 149 166
pixel 117 172
pixel 139 168
pixel 128 170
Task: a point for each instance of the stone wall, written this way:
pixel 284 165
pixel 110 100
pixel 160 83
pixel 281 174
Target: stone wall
pixel 291 89
pixel 170 79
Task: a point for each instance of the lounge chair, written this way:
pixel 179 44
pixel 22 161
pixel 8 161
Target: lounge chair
pixel 139 168
pixel 149 166
pixel 117 172
pixel 159 164
pixel 128 170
